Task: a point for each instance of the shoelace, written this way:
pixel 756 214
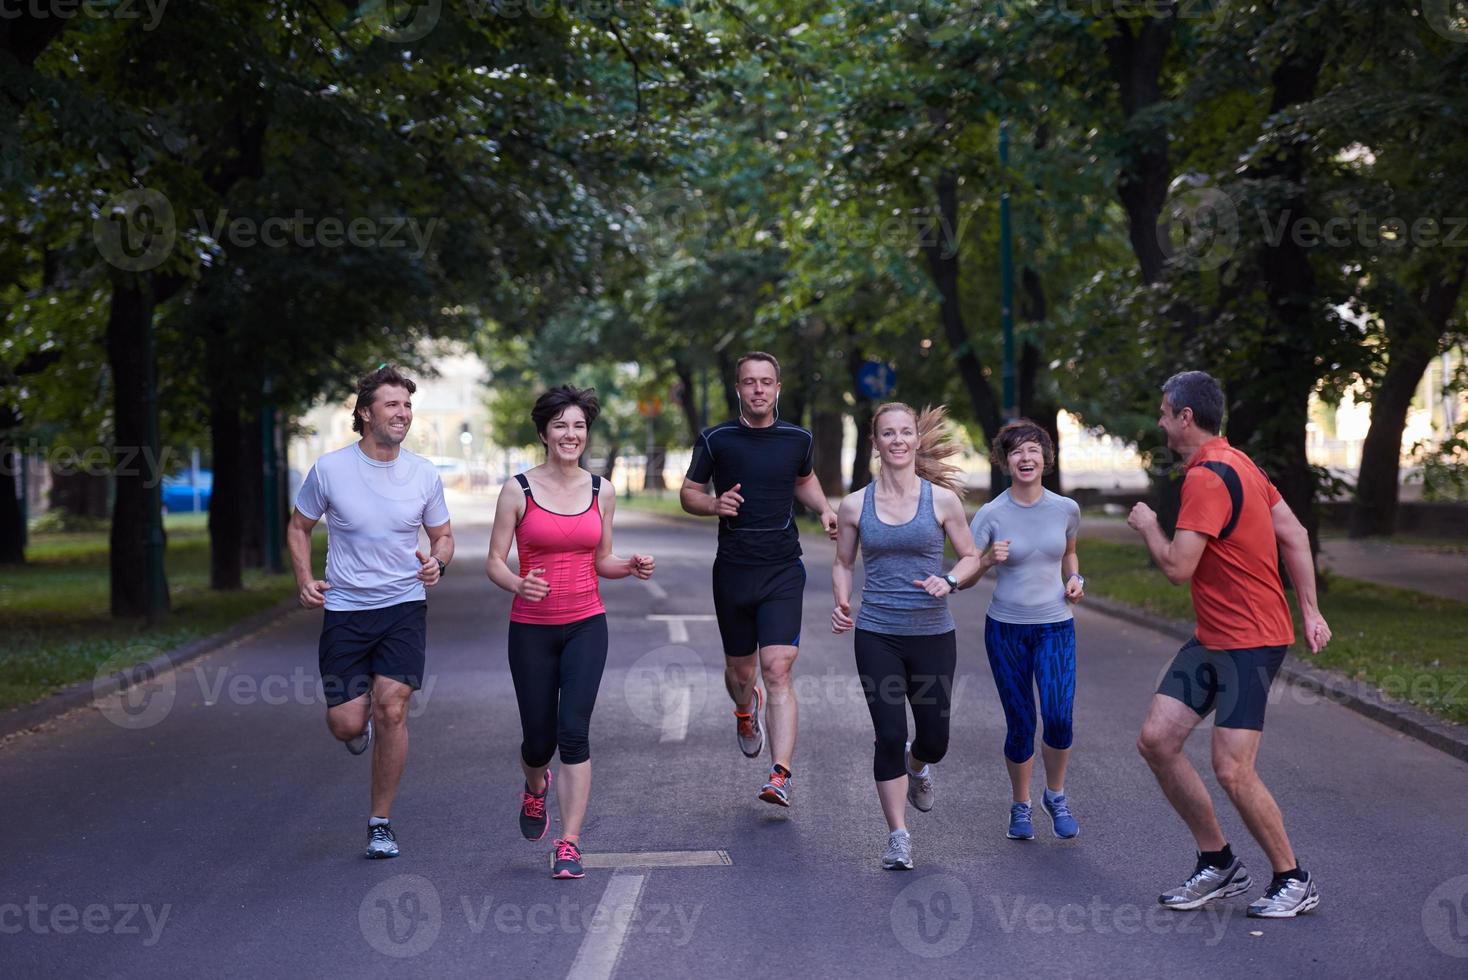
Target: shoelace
pixel 532 805
pixel 382 834
pixel 777 780
pixel 1276 888
pixel 567 851
pixel 1059 807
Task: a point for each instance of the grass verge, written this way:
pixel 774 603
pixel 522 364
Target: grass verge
pixel 1412 647
pixel 54 610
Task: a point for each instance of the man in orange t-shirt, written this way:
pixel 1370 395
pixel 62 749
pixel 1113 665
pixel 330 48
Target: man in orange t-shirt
pixel 1232 531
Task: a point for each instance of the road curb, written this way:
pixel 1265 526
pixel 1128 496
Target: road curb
pixel 83 693
pixel 1359 696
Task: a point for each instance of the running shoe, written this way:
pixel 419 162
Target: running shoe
pixel 777 790
pixel 533 819
pixel 1206 884
pixel 748 730
pixel 898 856
pixel 920 788
pixel 1058 810
pixel 1020 825
pixel 360 743
pixel 1286 899
pixel 380 842
pixel 566 860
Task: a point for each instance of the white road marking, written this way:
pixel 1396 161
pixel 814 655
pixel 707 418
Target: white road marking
pixel 659 859
pixel 658 592
pixel 678 624
pixel 607 933
pixel 675 718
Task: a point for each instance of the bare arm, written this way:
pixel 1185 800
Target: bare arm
pixel 970 564
pixel 1177 558
pixel 298 541
pixel 507 513
pixel 440 549
pixel 808 491
pixel 609 565
pixel 1294 550
pixel 1070 571
pixel 697 501
pixel 848 536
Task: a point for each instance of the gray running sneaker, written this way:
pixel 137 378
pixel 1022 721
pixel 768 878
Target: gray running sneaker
pixel 1206 884
pixel 1286 899
pixel 898 856
pixel 920 788
pixel 362 742
pixel 748 730
pixel 381 843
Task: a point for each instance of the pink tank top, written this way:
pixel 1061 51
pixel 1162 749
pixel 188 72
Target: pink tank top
pixel 565 546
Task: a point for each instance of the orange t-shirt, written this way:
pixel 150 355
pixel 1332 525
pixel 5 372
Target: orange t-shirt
pixel 1237 593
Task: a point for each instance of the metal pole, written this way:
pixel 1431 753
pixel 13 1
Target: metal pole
pixel 157 591
pixel 1006 275
pixel 194 476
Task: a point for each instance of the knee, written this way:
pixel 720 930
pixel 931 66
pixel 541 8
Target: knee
pixel 777 676
pixel 390 712
pixel 1233 775
pixel 344 726
pixel 1155 749
pixel 930 748
pixel 742 670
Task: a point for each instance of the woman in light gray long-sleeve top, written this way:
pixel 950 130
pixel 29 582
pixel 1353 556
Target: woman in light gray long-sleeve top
pixel 905 647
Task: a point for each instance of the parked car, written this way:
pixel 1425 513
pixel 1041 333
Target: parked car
pixel 178 492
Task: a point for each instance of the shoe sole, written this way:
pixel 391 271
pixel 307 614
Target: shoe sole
pixel 897 866
pixel 566 875
pixel 770 796
pixel 1052 826
pixel 1236 887
pixel 1307 905
pixel 379 855
pixel 919 809
pixel 1018 837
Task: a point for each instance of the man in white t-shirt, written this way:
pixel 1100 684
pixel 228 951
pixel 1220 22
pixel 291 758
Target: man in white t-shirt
pixel 374 496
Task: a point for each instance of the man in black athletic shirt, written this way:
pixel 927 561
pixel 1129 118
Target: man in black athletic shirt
pixel 759 466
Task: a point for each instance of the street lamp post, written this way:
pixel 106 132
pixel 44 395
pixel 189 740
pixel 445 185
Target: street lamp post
pixel 1006 277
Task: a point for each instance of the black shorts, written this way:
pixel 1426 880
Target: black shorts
pixel 358 644
pixel 758 605
pixel 1235 683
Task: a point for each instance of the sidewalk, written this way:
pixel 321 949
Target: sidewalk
pixel 1436 573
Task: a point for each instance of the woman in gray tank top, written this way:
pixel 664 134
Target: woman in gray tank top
pixel 905 647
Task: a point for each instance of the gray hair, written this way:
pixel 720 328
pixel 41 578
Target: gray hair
pixel 1199 391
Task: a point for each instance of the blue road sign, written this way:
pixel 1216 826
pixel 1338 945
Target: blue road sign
pixel 875 379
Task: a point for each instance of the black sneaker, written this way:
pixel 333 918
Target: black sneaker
pixel 566 861
pixel 533 818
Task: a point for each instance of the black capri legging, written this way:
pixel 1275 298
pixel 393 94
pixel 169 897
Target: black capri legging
pixel 900 670
pixel 557 670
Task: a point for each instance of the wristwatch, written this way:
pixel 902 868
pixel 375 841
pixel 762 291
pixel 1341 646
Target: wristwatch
pixel 1078 575
pixel 442 566
pixel 952 582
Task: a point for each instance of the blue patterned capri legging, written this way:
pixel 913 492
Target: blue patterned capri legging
pixel 1025 656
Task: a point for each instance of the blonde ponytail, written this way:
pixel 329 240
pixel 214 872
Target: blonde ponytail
pixel 936 443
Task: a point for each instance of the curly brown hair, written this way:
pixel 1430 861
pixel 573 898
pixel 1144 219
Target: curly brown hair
pixel 1017 433
pixel 367 386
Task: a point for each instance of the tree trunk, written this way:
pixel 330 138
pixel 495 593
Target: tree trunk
pixel 252 484
pixel 688 399
pixel 1412 342
pixel 138 500
pixel 657 458
pixel 1136 58
pixel 861 460
pixel 12 527
pixel 78 492
pixel 726 380
pixel 226 567
pixel 942 257
pixel 1043 411
pixel 827 428
pixel 609 465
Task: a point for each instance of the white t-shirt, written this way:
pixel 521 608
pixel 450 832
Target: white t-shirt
pixel 373 511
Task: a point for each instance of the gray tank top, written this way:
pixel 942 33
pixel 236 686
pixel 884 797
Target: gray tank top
pixel 893 556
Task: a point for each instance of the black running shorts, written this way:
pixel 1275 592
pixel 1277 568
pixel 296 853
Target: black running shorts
pixel 758 605
pixel 358 644
pixel 1235 683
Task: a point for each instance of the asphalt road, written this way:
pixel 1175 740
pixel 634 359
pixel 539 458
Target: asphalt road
pixel 212 827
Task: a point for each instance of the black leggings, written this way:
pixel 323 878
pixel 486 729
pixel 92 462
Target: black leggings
pixel 897 671
pixel 557 670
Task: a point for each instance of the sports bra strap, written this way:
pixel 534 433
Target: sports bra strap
pixel 524 483
pixel 595 486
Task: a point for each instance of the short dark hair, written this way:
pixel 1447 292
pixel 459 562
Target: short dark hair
pixel 1199 391
pixel 550 405
pixel 756 355
pixel 1017 433
pixel 367 385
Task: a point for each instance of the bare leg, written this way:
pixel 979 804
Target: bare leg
pixel 781 713
pixel 893 794
pixel 1168 725
pixel 1019 777
pixel 349 719
pixel 739 678
pixel 1055 762
pixel 535 776
pixel 573 790
pixel 390 741
pixel 1234 752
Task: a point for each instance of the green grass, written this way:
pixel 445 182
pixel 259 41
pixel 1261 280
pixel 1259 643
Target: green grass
pixel 54 610
pixel 1414 647
pixel 654 503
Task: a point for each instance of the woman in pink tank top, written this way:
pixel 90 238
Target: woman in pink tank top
pixel 560 519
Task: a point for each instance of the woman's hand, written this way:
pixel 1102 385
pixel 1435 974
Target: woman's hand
pixel 841 620
pixel 533 588
pixel 934 585
pixel 641 566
